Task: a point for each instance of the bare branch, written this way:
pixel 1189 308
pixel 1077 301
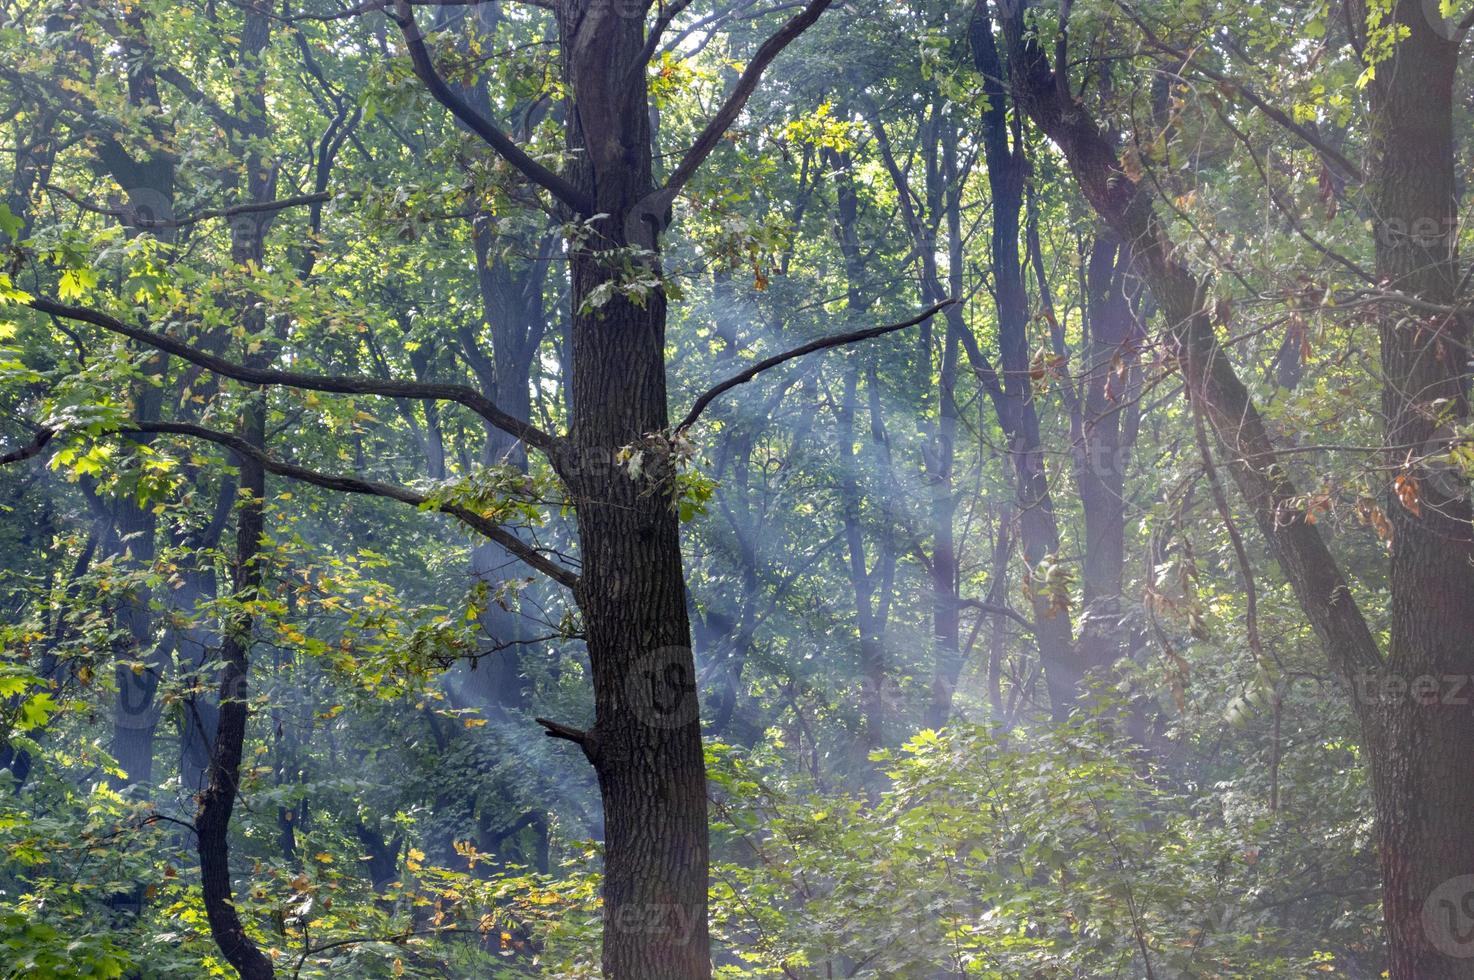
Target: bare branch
pixel 718 20
pixel 993 609
pixel 823 343
pixel 577 736
pixel 499 141
pixel 348 484
pixel 224 119
pixel 472 399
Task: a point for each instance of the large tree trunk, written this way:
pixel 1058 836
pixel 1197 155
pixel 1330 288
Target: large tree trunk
pixel 645 744
pixel 1420 759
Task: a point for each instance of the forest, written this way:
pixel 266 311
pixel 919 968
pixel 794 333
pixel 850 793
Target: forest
pixel 688 489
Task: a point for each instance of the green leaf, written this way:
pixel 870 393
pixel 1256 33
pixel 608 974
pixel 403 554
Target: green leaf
pixel 9 223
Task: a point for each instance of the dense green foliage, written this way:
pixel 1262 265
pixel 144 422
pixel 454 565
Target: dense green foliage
pixel 1205 812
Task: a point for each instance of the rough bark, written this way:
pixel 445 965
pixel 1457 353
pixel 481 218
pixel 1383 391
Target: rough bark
pixel 1420 755
pixel 645 744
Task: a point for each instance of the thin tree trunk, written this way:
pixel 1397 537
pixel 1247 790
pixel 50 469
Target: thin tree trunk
pixel 1102 449
pixel 222 781
pixel 1013 395
pixel 942 456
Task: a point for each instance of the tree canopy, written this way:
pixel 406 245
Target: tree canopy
pixel 736 488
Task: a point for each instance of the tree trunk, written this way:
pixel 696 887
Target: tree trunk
pixel 1420 760
pixel 222 780
pixel 217 800
pixel 141 665
pixel 1101 451
pixel 645 744
pixel 870 583
pixel 148 187
pixel 942 456
pixel 1013 396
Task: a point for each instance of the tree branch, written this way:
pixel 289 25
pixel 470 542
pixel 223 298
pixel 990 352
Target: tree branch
pixel 668 12
pixel 424 68
pixel 472 399
pixel 577 736
pixel 718 20
pixel 747 82
pixel 348 484
pixel 823 343
pixel 993 609
pixel 1279 116
pixel 555 730
pixel 33 448
pixel 253 207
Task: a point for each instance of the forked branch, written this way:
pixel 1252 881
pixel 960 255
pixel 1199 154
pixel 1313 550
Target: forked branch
pixel 499 141
pixel 718 125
